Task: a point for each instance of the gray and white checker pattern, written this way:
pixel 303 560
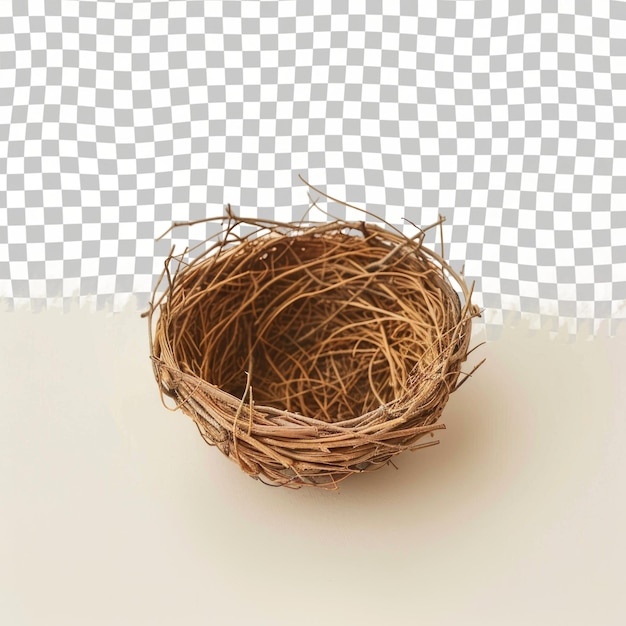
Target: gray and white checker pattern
pixel 509 118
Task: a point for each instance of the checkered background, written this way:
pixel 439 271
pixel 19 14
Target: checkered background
pixel 509 118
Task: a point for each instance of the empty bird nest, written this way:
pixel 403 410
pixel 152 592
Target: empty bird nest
pixel 307 352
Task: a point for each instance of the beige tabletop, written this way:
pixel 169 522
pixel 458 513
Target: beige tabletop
pixel 114 510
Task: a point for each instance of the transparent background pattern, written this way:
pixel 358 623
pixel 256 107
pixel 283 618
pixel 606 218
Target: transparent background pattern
pixel 508 118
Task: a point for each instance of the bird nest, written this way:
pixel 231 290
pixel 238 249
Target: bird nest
pixel 310 352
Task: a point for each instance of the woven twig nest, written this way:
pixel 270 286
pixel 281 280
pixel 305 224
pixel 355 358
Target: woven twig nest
pixel 307 353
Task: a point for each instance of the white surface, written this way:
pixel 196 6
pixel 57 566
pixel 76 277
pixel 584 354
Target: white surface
pixel 114 511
